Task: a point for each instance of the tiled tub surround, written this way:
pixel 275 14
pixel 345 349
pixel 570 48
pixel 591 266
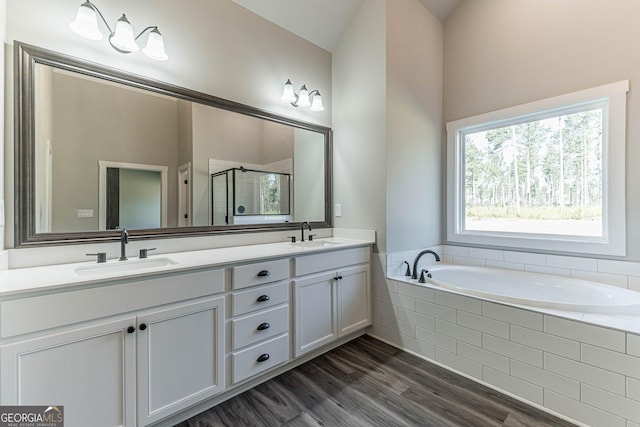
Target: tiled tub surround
pixel 583 371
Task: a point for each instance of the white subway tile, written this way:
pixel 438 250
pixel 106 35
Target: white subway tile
pixel 611 360
pixel 606 278
pixel 458 363
pixel 590 334
pixel 455 250
pixel 524 389
pixel 385 334
pixel 414 318
pixel 633 389
pixel 459 332
pixel 610 402
pixel 580 412
pixel 547 270
pixel 546 379
pixel 435 339
pixel 403 328
pixel 419 347
pixel 525 258
pixel 459 302
pixel 485 357
pixel 436 310
pixel 447 259
pixel 486 254
pixel 634 283
pixel 573 263
pixel 619 267
pixel 382 295
pixel 382 308
pixel 588 374
pixel 546 342
pixel 403 301
pixel 516 316
pixel 473 262
pixel 483 324
pixel 633 344
pixel 504 265
pixel 415 291
pixel 513 350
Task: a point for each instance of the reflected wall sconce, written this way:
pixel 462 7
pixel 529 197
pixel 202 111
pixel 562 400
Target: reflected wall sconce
pixel 312 99
pixel 122 39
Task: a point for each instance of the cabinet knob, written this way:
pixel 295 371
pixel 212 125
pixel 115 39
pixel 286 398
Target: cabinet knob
pixel 263 326
pixel 143 326
pixel 264 273
pixel 337 278
pixel 263 357
pixel 131 329
pixel 263 298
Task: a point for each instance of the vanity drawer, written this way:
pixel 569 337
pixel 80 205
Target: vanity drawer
pixel 260 272
pixel 331 260
pixel 259 326
pixel 250 362
pixel 259 298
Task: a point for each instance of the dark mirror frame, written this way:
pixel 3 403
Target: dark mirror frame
pixel 27 56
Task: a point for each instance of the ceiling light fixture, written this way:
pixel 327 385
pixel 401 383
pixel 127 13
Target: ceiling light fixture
pixel 122 39
pixel 312 99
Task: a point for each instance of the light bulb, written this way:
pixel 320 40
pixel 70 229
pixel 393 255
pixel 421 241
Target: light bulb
pixel 155 46
pixel 287 94
pixel 122 39
pixel 86 22
pixel 303 98
pixel 316 104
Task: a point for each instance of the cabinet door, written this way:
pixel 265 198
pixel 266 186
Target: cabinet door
pixel 354 299
pixel 180 357
pixel 90 371
pixel 315 308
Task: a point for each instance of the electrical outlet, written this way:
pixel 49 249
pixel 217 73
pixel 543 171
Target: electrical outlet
pixel 338 210
pixel 84 213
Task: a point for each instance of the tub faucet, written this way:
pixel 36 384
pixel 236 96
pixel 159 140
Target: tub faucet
pixel 302 230
pixel 422 278
pixel 124 239
pixel 415 262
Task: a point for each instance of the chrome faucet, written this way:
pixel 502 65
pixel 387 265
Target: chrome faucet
pixel 302 230
pixel 415 262
pixel 124 239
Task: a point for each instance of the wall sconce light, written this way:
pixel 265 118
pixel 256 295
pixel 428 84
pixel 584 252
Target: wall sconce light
pixel 122 39
pixel 312 99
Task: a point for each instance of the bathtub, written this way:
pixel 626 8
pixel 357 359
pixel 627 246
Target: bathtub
pixel 534 289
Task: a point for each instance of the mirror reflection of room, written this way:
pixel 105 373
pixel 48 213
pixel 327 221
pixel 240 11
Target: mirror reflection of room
pixel 82 122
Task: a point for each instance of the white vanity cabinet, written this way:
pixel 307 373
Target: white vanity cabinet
pixel 119 355
pixel 259 329
pixel 330 303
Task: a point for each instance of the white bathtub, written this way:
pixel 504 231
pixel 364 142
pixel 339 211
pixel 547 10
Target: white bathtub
pixel 534 289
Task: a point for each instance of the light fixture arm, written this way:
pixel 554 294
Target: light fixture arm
pixel 106 24
pixel 151 28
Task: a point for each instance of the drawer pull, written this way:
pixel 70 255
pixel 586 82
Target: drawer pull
pixel 337 278
pixel 264 273
pixel 263 298
pixel 143 326
pixel 263 357
pixel 263 326
pixel 131 329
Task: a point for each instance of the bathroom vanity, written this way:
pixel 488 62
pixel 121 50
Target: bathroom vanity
pixel 159 340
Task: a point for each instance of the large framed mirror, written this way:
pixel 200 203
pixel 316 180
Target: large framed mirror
pixel 98 150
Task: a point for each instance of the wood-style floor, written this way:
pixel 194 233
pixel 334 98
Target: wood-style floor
pixel 369 383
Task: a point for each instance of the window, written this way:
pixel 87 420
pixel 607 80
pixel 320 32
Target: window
pixel 547 175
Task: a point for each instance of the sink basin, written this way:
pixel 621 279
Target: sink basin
pixel 123 266
pixel 314 244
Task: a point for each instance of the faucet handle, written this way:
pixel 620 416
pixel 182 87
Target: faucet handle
pixel 293 238
pixel 408 272
pixel 145 252
pixel 310 237
pixel 422 279
pixel 102 256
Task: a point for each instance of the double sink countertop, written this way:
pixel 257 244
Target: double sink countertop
pixel 24 282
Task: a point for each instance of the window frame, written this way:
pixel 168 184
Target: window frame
pixel 613 240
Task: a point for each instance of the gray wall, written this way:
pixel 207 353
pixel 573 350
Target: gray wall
pixel 501 53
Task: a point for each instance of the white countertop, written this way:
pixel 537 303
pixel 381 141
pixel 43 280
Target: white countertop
pixel 24 282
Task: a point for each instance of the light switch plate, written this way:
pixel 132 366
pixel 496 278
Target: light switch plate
pixel 338 210
pixel 1 213
pixel 84 213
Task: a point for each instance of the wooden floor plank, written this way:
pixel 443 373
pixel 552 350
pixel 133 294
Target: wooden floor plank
pixel 369 383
